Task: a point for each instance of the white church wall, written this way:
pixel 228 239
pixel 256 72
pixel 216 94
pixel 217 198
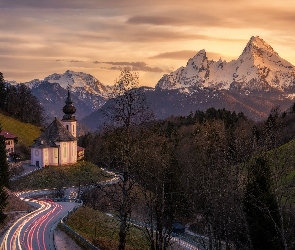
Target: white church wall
pixel 66 150
pixel 45 157
pixel 53 156
pixel 73 151
pixel 37 158
pixel 70 126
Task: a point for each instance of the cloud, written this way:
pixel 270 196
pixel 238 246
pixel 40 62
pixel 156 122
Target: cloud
pixel 64 4
pixel 135 66
pixel 272 18
pixel 195 18
pixel 97 4
pixel 75 61
pixel 154 20
pixel 183 55
pixel 35 33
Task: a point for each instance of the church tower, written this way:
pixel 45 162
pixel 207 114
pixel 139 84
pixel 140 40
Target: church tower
pixel 57 144
pixel 69 121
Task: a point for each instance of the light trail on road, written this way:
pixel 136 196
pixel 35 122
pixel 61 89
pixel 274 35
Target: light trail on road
pixel 28 232
pixel 35 230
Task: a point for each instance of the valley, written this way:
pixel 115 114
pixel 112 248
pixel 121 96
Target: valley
pixel 209 148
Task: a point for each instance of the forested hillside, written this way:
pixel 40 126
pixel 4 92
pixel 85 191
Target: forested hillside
pixel 18 102
pixel 226 175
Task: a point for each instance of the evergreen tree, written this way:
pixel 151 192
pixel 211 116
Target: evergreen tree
pixel 2 91
pixel 4 178
pixel 261 208
pixel 23 105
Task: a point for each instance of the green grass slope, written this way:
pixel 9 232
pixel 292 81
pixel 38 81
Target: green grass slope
pixel 103 230
pixel 282 160
pixel 81 173
pixel 26 132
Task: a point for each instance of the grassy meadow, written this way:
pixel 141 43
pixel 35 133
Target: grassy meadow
pixel 26 132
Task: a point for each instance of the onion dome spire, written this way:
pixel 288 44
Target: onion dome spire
pixel 69 109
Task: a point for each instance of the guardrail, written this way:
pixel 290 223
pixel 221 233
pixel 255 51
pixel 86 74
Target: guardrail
pixel 73 233
pixel 190 241
pixel 180 238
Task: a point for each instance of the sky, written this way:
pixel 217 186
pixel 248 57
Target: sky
pixel 152 37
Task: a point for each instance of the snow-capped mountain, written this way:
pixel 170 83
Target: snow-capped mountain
pixel 259 67
pixel 84 86
pixel 87 92
pixel 79 80
pixel 253 84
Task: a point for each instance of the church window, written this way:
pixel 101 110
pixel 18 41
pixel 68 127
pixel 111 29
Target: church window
pixel 65 151
pixel 55 152
pixel 67 127
pixel 73 128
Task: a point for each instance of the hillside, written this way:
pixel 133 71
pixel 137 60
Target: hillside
pixel 26 132
pixel 282 159
pixel 15 208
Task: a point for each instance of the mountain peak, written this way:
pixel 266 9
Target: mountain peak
pixel 201 52
pixel 198 58
pixel 257 44
pixel 259 67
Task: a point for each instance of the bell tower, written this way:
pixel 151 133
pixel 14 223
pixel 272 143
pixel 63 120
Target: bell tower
pixel 69 121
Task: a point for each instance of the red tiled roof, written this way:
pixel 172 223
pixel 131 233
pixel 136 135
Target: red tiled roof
pixel 80 149
pixel 7 134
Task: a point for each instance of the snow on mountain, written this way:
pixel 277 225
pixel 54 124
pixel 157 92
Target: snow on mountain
pixel 78 80
pixel 88 93
pixel 33 83
pixel 12 83
pixel 84 86
pixel 259 67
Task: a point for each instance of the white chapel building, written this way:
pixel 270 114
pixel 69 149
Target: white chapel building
pixel 57 145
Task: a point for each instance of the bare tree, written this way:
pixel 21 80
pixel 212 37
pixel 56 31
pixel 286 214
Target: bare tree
pixel 127 110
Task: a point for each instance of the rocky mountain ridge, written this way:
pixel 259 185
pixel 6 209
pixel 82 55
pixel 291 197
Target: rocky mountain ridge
pixel 88 93
pixel 259 67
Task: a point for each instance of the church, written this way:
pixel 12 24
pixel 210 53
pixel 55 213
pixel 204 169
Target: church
pixel 57 145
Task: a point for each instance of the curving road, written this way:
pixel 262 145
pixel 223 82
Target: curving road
pixel 35 230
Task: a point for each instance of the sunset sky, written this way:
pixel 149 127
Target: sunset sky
pixel 154 37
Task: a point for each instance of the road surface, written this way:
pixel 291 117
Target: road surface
pixel 35 230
